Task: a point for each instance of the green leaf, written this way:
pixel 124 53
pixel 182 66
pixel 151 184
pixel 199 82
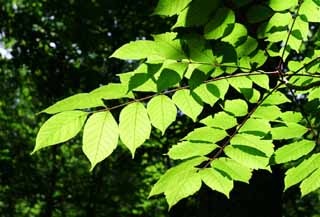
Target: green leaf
pixel 187 104
pixel 220 120
pixel 60 128
pixel 256 126
pixel 136 50
pixel 162 112
pixel 258 13
pixel 261 80
pixel 187 149
pixel 250 151
pixel 196 14
pixel 251 94
pixel 291 116
pixel 216 181
pixel 317 2
pixel 276 98
pixel 220 24
pixel 179 182
pixel 257 59
pixel 141 79
pixel 311 10
pixel 78 101
pixel 163 47
pixel 134 126
pixel 112 91
pixel 302 171
pixel 293 151
pixel 247 156
pixel 311 183
pixel 262 145
pixel 206 134
pixel 247 47
pixel 198 49
pixel 240 83
pixel 233 169
pixel 237 107
pixel 282 5
pixel 189 183
pixel 267 112
pixel 170 8
pixel 235 38
pixel 292 130
pixel 218 88
pixel 205 94
pixel 100 137
pixel 169 47
pixel 314 94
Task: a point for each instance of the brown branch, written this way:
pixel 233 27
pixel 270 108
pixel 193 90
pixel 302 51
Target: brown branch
pixel 306 65
pixel 184 87
pixel 289 34
pixel 226 143
pixel 304 87
pixel 294 99
pixel 219 65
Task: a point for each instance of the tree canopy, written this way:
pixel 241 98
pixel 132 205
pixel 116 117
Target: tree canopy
pixel 242 77
pixel 249 78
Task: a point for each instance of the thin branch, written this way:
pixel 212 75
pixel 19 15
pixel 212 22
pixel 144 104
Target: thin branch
pixel 184 87
pixel 306 65
pixel 294 99
pixel 290 32
pixel 226 143
pixel 304 87
pixel 219 65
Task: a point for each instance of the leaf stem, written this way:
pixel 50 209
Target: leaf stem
pixel 226 143
pixel 183 87
pixel 289 33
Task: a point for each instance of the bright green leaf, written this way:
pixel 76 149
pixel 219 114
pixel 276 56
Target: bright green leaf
pixel 282 5
pixel 179 182
pixel 100 137
pixel 276 98
pixel 302 171
pixel 237 107
pixel 233 169
pixel 134 126
pixel 236 36
pixel 187 104
pixel 78 101
pixel 220 25
pixel 267 112
pixel 112 91
pixel 311 10
pixel 292 130
pixel 170 8
pixel 260 80
pixel 291 116
pixel 206 134
pixel 311 183
pixel 314 94
pixel 136 50
pixel 162 112
pixel 220 120
pixel 60 128
pixel 216 181
pixel 256 126
pixel 187 149
pixel 293 151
